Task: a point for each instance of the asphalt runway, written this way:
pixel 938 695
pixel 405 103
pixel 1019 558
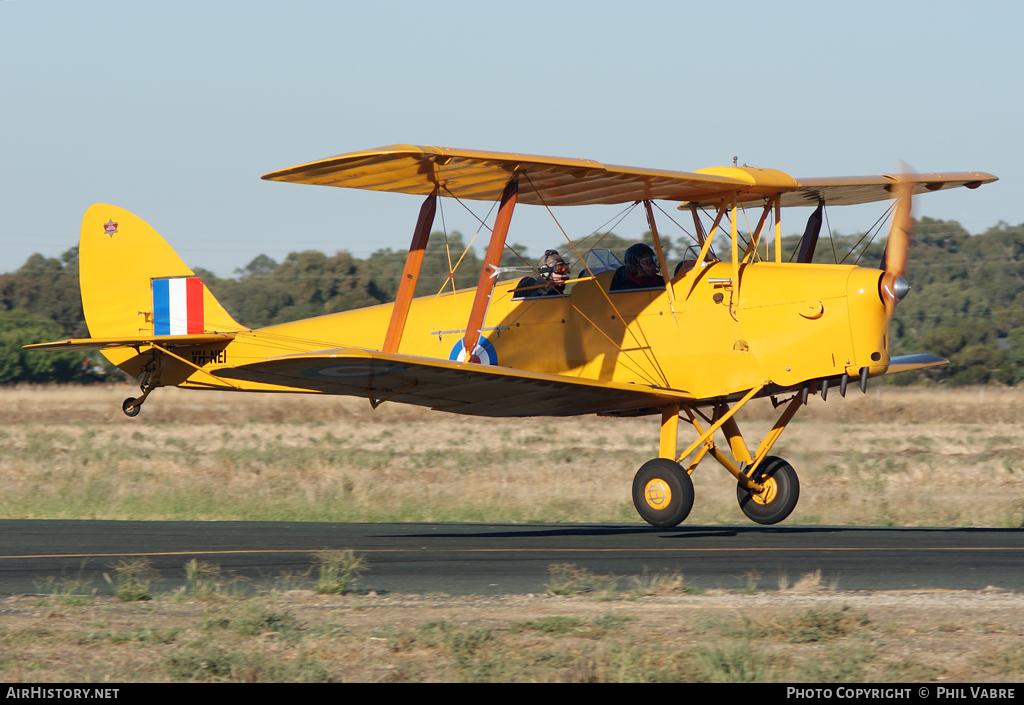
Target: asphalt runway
pixel 510 559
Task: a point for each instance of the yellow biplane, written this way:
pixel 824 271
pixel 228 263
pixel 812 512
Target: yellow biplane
pixel 698 345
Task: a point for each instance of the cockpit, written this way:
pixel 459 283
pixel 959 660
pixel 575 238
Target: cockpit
pixel 597 261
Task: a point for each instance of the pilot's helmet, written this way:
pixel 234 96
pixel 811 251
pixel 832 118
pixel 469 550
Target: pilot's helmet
pixel 552 262
pixel 639 256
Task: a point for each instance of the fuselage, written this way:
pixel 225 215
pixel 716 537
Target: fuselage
pixel 786 324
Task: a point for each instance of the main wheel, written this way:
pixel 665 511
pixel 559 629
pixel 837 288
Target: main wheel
pixel 662 492
pixel 134 411
pixel 778 498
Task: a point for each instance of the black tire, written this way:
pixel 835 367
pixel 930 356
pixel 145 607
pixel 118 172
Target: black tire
pixel 133 412
pixel 782 497
pixel 679 488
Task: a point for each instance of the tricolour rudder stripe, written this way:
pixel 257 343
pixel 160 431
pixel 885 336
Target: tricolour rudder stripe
pixel 161 306
pixel 178 306
pixel 194 305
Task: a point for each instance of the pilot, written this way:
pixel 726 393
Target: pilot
pixel 554 273
pixel 641 270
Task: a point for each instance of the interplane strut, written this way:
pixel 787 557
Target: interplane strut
pixel 410 274
pixel 492 259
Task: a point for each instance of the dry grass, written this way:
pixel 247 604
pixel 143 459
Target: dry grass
pixel 299 635
pixel 901 457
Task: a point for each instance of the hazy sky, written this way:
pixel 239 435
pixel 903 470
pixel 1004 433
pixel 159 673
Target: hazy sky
pixel 174 110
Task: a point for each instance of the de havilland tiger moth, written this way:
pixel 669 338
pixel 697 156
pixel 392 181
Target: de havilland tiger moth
pixel 695 342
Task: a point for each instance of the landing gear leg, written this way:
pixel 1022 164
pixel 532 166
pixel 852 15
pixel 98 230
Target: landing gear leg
pixel 132 406
pixel 662 492
pixel 150 380
pixel 767 486
pixel 662 489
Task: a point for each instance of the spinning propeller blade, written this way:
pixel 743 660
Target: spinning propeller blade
pixel 893 286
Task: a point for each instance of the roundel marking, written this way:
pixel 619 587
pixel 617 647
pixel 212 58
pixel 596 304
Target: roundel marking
pixel 487 354
pixel 350 371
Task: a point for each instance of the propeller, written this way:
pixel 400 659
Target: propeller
pixel 893 286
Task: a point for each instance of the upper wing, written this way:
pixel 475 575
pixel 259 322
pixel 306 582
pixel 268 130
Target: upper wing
pixel 477 175
pixel 850 190
pixel 558 181
pixel 459 387
pixel 166 341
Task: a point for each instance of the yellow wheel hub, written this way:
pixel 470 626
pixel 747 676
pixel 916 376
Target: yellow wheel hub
pixel 657 493
pixel 766 495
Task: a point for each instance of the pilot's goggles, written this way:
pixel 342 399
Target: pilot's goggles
pixel 559 268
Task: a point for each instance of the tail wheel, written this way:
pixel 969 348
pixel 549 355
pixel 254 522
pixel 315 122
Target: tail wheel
pixel 778 498
pixel 662 492
pixel 134 410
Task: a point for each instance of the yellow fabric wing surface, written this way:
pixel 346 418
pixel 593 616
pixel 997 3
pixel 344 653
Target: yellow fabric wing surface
pixel 461 388
pixel 478 175
pixel 851 190
pixel 559 181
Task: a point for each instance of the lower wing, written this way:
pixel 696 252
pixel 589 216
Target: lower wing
pixel 459 387
pixel 906 363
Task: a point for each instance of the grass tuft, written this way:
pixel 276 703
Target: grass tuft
pixel 664 583
pixel 132 579
pixel 1004 661
pixel 570 579
pixel 258 621
pixel 822 626
pixel 339 571
pixel 203 580
pixel 69 591
pixel 808 582
pixel 753 580
pixel 734 663
pixel 809 627
pixel 911 669
pixel 463 645
pixel 847 664
pixel 202 662
pixel 610 620
pixel 547 625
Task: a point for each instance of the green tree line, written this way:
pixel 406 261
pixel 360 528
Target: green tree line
pixel 966 301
